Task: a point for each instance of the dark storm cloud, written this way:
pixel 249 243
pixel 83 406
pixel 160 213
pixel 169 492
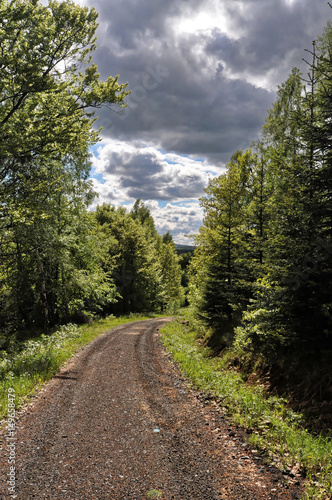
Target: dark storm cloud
pixel 274 34
pixel 182 97
pixel 130 164
pixel 186 106
pixel 133 22
pixel 128 20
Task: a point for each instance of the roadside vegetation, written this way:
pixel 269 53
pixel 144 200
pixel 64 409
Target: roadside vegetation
pixel 261 275
pixel 28 364
pixel 60 261
pixel 259 282
pixel 274 429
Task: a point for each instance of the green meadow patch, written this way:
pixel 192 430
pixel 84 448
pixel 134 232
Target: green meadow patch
pixel 274 428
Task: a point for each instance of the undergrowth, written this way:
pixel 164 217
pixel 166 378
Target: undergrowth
pixel 274 428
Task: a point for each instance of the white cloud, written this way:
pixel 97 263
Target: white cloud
pixel 212 15
pixel 181 220
pixel 169 184
pixel 126 171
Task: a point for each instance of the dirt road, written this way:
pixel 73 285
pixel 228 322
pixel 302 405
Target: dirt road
pixel 119 423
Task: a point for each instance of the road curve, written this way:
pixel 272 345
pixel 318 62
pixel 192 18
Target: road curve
pixel 118 423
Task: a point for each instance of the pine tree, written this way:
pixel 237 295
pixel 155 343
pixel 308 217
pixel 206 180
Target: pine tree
pixel 225 287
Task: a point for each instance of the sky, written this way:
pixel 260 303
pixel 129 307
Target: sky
pixel 203 74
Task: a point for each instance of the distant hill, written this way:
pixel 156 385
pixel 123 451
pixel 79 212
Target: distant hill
pixel 184 248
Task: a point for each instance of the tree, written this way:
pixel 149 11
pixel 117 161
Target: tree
pixel 57 269
pixel 51 267
pixel 136 272
pixel 146 271
pixel 172 293
pixel 185 259
pixel 263 262
pixel 48 90
pixel 278 179
pixel 224 288
pixel 168 238
pixel 142 213
pixel 258 214
pixel 292 298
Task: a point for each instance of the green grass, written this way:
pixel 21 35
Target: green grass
pixel 33 362
pixel 154 494
pixel 274 427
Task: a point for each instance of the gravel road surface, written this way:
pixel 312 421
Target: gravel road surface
pixel 118 422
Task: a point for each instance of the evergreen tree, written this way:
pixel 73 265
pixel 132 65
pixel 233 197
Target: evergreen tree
pixel 225 288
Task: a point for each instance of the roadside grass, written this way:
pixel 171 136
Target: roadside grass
pixel 275 429
pixel 33 362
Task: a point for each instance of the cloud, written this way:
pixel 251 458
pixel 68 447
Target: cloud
pixel 273 38
pixel 204 91
pixel 180 100
pixel 203 74
pixel 181 220
pixel 169 184
pixel 187 106
pixel 131 171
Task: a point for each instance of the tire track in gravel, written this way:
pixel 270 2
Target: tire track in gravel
pixel 92 432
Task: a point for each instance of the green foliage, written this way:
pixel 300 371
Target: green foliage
pixel 261 275
pixel 142 213
pixel 146 271
pixel 38 355
pixel 273 427
pixel 47 103
pixel 55 271
pixel 51 267
pixel 154 494
pixel 221 270
pixel 167 238
pixel 172 294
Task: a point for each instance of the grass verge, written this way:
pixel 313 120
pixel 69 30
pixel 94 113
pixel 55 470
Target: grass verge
pixel 34 362
pixel 274 428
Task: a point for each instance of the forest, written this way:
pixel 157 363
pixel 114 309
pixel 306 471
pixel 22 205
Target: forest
pixel 260 277
pixel 253 297
pixel 60 261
